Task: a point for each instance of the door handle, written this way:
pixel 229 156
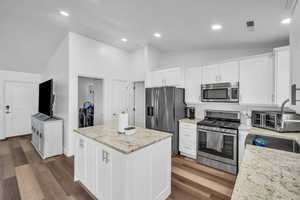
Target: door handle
pixel 103 156
pixel 106 157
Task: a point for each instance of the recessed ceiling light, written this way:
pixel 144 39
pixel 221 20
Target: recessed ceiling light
pixel 216 27
pixel 124 40
pixel 64 13
pixel 286 21
pixel 157 35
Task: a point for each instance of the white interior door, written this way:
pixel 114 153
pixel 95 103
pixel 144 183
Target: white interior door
pixel 21 101
pixel 139 104
pixel 121 100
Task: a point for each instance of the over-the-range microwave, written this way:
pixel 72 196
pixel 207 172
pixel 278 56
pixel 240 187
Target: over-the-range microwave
pixel 220 92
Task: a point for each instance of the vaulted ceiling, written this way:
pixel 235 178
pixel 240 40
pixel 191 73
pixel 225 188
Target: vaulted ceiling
pixel 30 30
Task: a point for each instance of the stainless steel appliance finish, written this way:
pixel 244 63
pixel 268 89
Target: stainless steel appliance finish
pixel 164 107
pixel 287 121
pixel 294 91
pixel 274 143
pixel 218 140
pixel 220 92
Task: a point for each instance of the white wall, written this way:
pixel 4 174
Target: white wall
pixel 139 64
pixel 144 60
pixel 205 57
pixel 13 76
pixel 94 59
pixel 57 69
pixel 295 51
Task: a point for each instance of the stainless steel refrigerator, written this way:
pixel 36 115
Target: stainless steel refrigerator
pixel 164 107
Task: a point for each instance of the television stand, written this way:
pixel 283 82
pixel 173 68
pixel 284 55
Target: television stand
pixel 47 135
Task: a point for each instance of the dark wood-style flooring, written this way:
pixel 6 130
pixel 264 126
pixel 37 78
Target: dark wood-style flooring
pixel 24 175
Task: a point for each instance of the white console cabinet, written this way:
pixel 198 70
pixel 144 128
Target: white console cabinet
pixel 47 135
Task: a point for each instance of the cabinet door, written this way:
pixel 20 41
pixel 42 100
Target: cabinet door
pixel 34 132
pixel 256 80
pixel 80 160
pixel 210 74
pixel 42 142
pixel 104 174
pixel 193 78
pixel 173 77
pixel 156 79
pixel 282 75
pixel 91 156
pixel 229 72
pixel 111 174
pixel 100 184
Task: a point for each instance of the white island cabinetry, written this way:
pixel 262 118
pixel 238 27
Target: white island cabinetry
pixel 113 175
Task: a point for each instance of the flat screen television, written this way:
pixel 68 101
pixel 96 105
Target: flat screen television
pixel 46 98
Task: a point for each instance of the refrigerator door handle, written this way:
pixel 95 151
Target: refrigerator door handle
pixel 150 111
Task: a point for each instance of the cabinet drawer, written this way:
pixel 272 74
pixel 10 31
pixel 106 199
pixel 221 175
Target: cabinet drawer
pixel 188 142
pixel 187 133
pixel 188 126
pixel 187 149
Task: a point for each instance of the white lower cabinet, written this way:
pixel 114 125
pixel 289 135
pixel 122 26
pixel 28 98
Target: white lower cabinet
pixel 188 139
pixel 111 175
pixel 47 135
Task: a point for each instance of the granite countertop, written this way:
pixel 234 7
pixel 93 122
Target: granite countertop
pixel 264 132
pixel 120 142
pixel 268 174
pixel 190 121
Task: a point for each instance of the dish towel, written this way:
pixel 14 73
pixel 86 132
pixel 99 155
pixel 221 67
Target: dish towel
pixel 214 141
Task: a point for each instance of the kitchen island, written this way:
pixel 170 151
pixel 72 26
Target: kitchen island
pixel 114 166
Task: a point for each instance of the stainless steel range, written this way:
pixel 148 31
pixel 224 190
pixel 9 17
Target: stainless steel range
pixel 218 140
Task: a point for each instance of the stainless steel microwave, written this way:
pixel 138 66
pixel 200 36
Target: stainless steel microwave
pixel 220 92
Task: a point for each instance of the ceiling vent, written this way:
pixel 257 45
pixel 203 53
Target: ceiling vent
pixel 250 25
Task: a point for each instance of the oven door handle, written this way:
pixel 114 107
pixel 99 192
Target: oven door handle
pixel 207 131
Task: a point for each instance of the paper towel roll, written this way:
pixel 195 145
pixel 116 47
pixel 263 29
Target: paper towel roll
pixel 122 122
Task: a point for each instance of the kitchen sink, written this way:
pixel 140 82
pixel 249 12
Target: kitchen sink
pixel 274 143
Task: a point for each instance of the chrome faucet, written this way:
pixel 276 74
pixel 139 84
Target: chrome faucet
pixel 283 105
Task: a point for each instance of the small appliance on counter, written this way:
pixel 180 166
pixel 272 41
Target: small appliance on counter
pixel 190 112
pixel 280 121
pixel 123 127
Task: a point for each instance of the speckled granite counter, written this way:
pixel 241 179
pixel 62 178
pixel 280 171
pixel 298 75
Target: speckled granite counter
pixel 264 132
pixel 190 121
pixel 268 174
pixel 123 143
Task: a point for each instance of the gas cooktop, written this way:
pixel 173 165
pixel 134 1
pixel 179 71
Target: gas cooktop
pixel 219 123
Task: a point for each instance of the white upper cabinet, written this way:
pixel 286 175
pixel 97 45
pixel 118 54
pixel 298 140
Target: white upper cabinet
pixel 156 79
pixel 257 80
pixel 229 72
pixel 210 74
pixel 193 78
pixel 168 77
pixel 282 74
pixel 174 77
pixel 220 73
